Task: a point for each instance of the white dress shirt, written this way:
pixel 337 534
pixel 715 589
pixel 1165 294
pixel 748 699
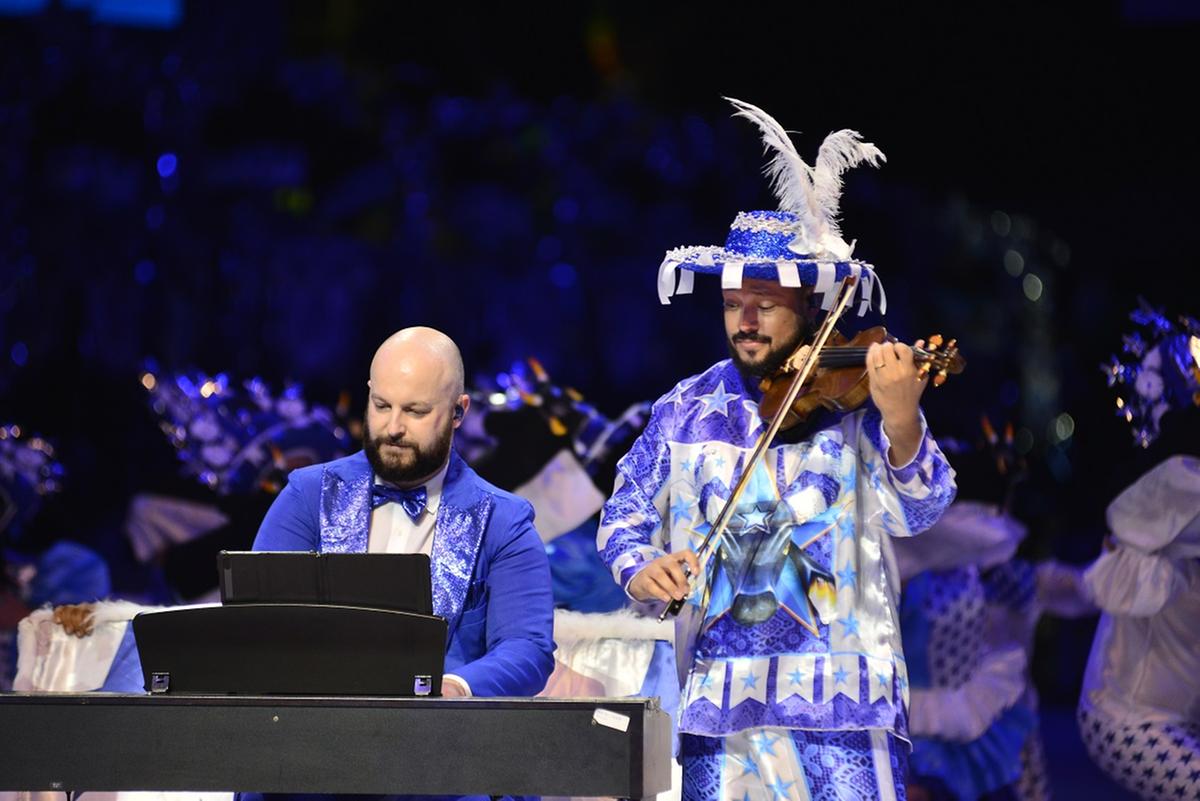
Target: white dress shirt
pixel 393 531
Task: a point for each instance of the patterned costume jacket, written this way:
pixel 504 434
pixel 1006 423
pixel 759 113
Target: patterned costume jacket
pixel 799 628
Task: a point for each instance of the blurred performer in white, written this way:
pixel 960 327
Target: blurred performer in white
pixel 1140 708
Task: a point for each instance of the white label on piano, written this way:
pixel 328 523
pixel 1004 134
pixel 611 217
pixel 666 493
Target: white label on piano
pixel 613 720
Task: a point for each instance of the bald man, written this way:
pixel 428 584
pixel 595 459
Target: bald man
pixel 407 491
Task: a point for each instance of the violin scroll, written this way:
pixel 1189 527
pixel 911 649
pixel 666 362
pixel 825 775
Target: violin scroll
pixel 940 358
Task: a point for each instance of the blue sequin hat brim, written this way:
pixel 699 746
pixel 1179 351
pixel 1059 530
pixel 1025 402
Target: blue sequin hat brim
pixel 769 245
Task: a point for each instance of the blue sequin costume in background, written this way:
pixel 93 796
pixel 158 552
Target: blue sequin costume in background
pixel 800 629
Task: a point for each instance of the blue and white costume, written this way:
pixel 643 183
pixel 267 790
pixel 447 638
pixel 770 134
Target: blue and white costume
pixel 798 646
pixel 793 683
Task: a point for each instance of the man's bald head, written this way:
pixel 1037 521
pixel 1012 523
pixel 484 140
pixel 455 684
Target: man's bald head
pixel 422 354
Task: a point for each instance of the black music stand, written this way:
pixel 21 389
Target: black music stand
pixel 301 624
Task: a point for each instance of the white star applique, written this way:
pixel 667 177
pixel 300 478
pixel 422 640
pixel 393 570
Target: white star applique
pixel 675 396
pixel 753 421
pixel 716 401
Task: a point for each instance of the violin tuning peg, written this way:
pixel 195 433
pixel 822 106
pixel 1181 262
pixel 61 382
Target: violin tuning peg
pixel 923 371
pixel 952 344
pixel 939 379
pixel 934 342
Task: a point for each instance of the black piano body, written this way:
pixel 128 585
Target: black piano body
pixel 430 746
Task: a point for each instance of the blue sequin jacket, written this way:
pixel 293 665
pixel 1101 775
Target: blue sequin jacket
pixel 490 575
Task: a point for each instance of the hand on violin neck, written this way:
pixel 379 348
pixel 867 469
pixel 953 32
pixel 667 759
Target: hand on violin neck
pixel 896 386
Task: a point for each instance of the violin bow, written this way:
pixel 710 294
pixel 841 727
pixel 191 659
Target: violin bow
pixel 845 292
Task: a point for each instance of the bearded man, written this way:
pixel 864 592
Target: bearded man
pixel 408 491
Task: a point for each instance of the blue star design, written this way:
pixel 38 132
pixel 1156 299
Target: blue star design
pixel 749 767
pixel 766 744
pixel 681 509
pixel 780 787
pixel 850 622
pixel 686 465
pixel 719 462
pixel 716 401
pixel 847 533
pixel 755 518
pixel 839 676
pixel 705 681
pixel 883 680
pixel 796 676
pixel 847 576
pixel 750 680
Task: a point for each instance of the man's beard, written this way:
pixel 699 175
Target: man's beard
pixel 776 355
pixel 426 462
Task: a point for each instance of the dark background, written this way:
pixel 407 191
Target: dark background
pixel 271 188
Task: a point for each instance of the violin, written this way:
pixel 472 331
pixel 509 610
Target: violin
pixel 841 380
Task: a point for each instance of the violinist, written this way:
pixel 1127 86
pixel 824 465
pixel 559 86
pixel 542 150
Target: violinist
pixel 791 670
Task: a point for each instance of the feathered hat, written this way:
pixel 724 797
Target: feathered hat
pixel 28 473
pixel 800 244
pixel 239 439
pixel 1158 369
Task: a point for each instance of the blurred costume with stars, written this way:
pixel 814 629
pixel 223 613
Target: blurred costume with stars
pixel 1139 711
pixel 792 675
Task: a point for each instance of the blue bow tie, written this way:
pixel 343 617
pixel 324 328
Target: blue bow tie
pixel 411 500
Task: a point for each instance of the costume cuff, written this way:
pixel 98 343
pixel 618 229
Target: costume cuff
pixel 906 472
pixel 459 682
pixel 629 564
pixel 1130 582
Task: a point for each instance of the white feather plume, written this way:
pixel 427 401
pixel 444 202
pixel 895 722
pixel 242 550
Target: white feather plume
pixel 840 151
pixel 791 179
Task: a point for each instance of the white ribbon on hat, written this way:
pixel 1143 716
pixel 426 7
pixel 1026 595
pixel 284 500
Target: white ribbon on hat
pixel 870 283
pixel 731 275
pixel 789 275
pixel 687 280
pixel 826 276
pixel 666 281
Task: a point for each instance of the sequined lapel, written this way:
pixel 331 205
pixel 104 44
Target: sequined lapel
pixel 461 520
pixel 346 505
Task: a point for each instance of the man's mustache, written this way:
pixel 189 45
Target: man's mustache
pixel 743 336
pixel 397 442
